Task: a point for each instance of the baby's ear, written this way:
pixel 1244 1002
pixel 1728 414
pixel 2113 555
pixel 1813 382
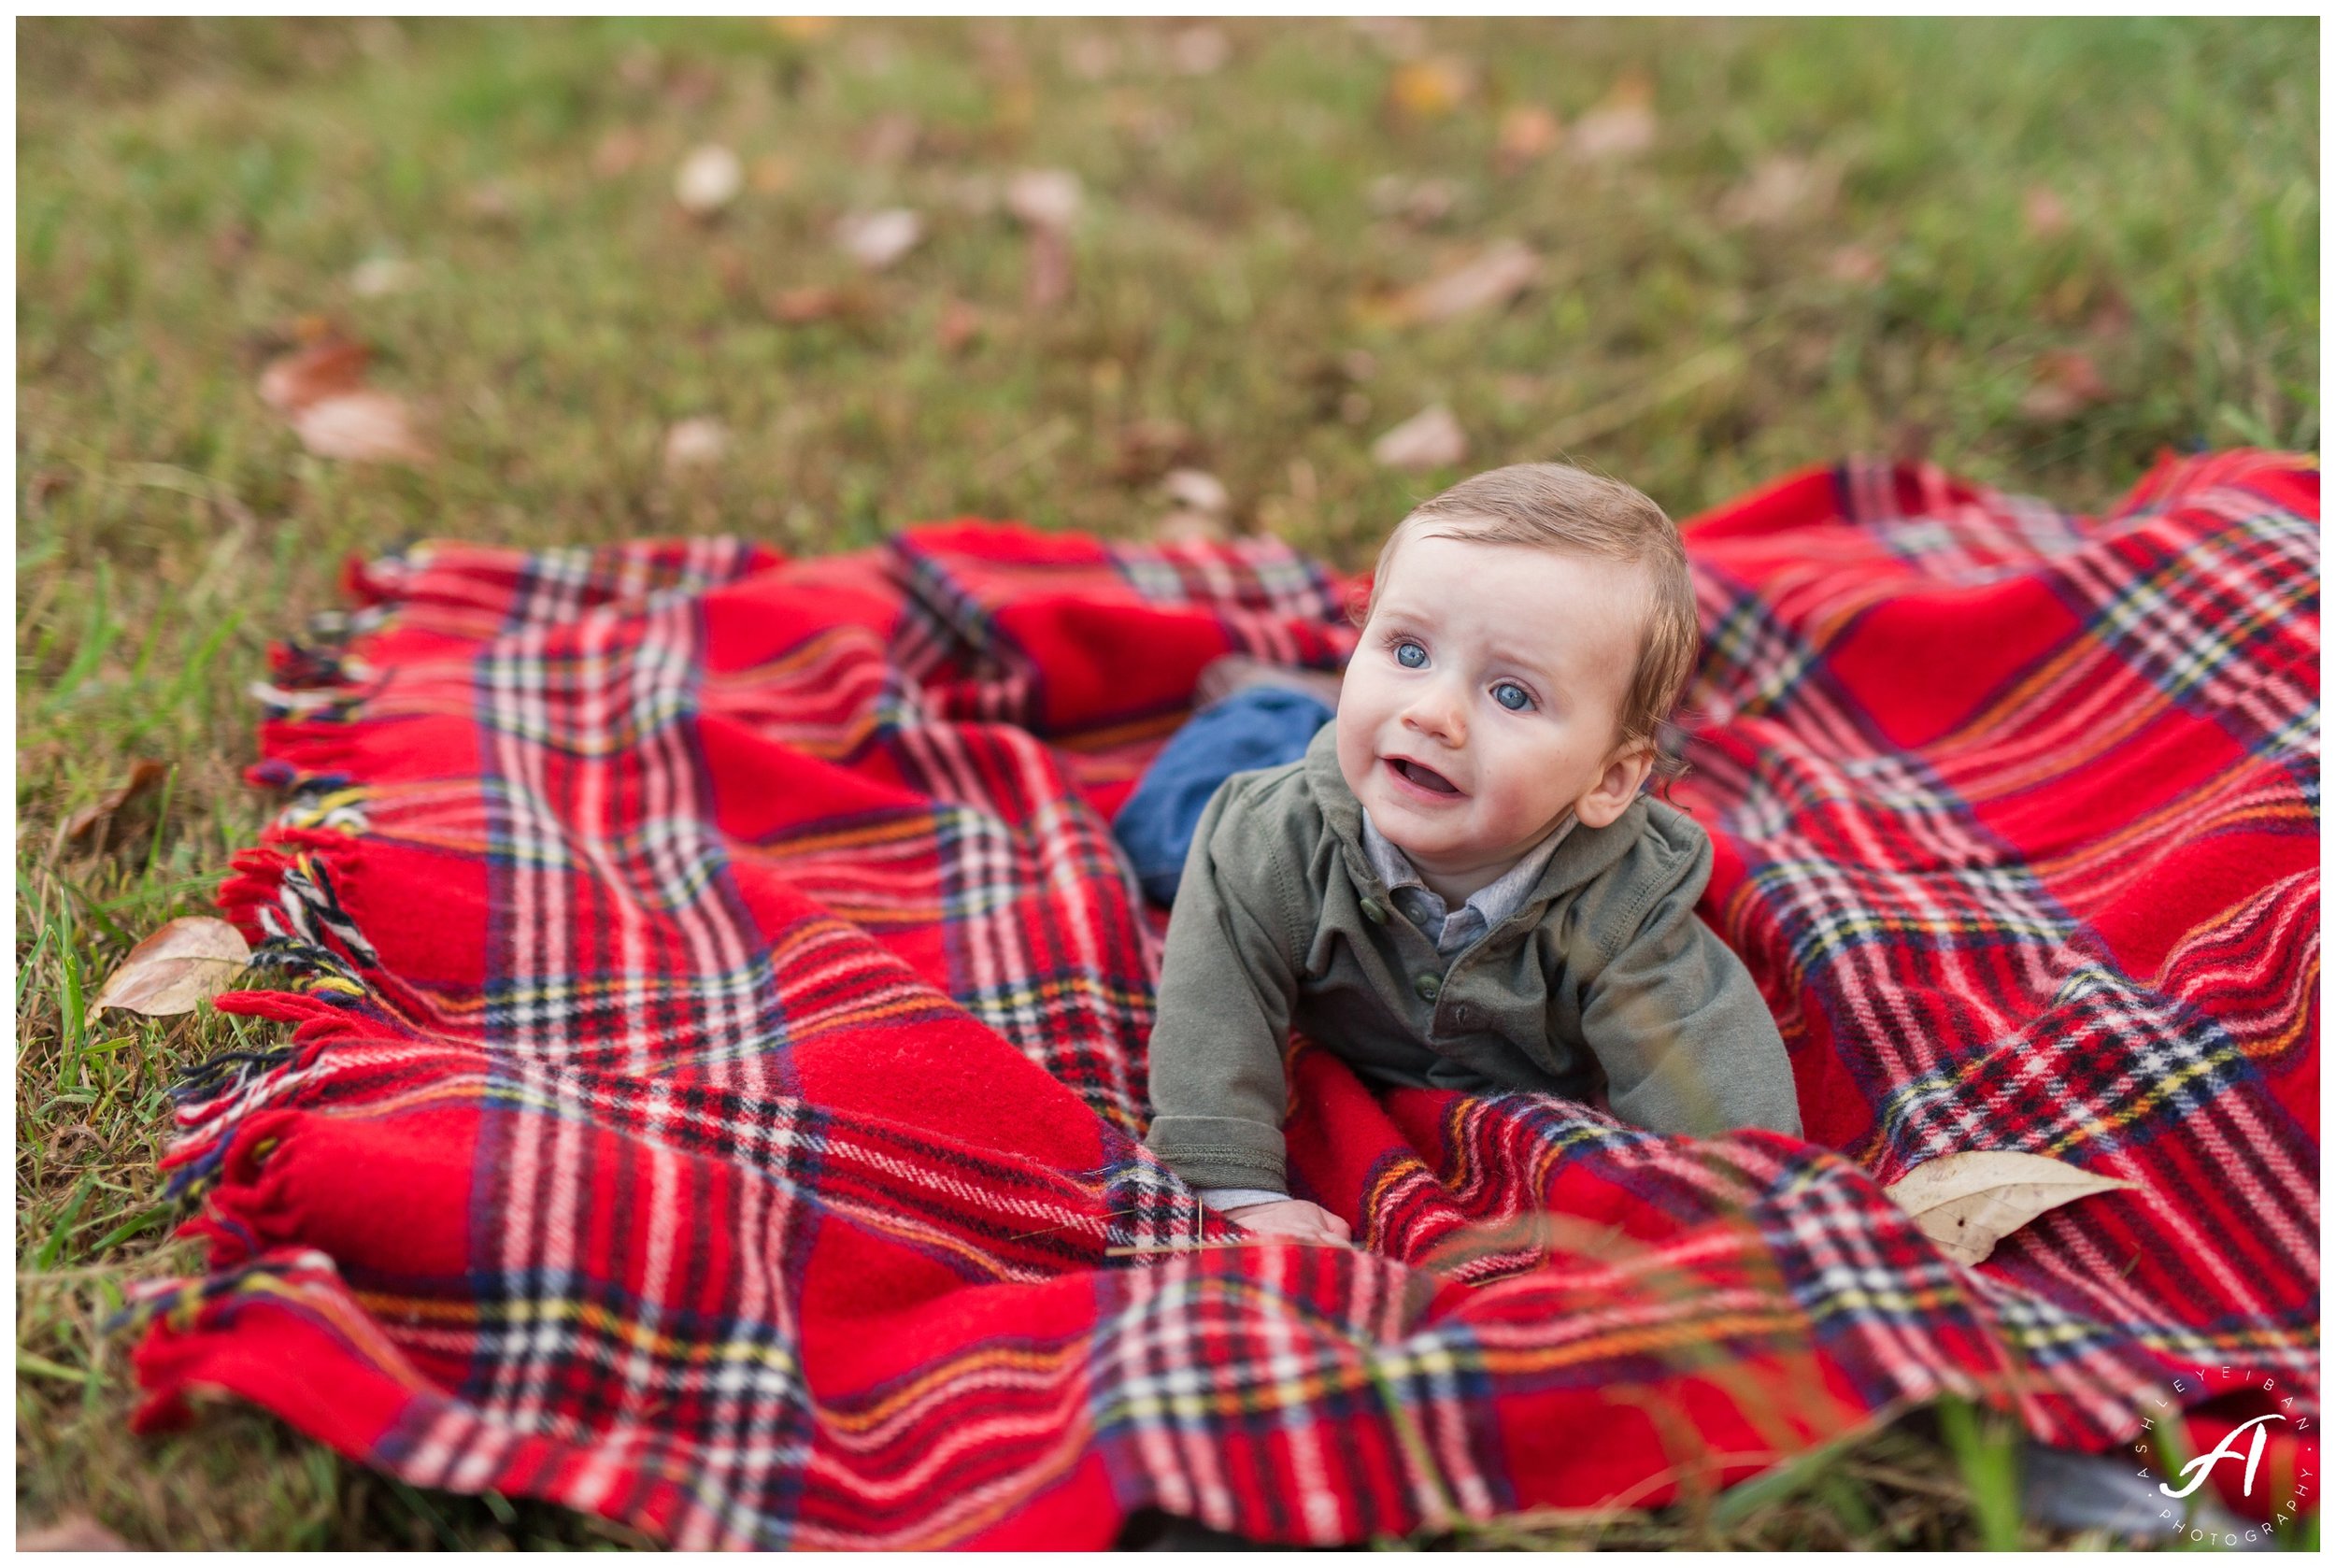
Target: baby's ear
pixel 1616 787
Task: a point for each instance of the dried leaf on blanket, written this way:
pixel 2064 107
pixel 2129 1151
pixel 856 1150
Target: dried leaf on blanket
pixel 1967 1203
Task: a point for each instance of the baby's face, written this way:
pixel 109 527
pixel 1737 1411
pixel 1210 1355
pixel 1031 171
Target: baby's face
pixel 1483 701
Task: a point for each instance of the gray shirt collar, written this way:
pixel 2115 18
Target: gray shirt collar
pixel 1492 904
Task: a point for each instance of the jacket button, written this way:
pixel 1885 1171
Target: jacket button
pixel 1429 988
pixel 1373 911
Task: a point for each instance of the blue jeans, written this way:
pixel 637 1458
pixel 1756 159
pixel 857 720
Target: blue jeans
pixel 1256 727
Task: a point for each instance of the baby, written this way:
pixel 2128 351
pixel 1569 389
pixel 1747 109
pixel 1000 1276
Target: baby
pixel 1460 885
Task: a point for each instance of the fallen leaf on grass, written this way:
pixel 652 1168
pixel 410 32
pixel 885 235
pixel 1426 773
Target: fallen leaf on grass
pixel 188 961
pixel 1857 263
pixel 1498 276
pixel 1527 131
pixel 708 180
pixel 1091 57
pixel 1432 87
pixel 1401 37
pixel 1432 438
pixel 618 152
pixel 2067 383
pixel 1967 1203
pixel 321 392
pixel 890 138
pixel 878 239
pixel 800 308
pixel 1043 198
pixel 382 275
pixel 361 427
pixel 74 1532
pixel 94 824
pixel 1424 202
pixel 771 173
pixel 491 202
pixel 1621 126
pixel 695 443
pixel 1779 190
pixel 2044 213
pixel 230 244
pixel 1197 490
pixel 959 326
pixel 1199 52
pixel 329 366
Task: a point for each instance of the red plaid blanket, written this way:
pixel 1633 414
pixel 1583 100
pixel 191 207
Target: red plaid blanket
pixel 720 1015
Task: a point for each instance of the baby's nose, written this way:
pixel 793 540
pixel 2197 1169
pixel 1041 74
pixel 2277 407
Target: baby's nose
pixel 1438 713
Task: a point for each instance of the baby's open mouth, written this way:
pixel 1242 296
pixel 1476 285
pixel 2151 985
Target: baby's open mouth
pixel 1426 778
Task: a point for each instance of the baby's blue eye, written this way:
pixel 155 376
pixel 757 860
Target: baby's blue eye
pixel 1512 696
pixel 1410 655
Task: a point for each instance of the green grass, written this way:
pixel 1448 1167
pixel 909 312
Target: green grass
pixel 186 190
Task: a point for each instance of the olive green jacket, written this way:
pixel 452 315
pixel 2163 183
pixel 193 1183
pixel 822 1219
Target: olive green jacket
pixel 1604 976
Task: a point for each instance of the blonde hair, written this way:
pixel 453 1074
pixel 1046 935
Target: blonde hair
pixel 1556 506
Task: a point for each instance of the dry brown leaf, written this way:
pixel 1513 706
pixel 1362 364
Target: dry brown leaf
pixel 230 244
pixel 698 442
pixel 2067 383
pixel 618 152
pixel 878 239
pixel 1197 490
pixel 2112 318
pixel 708 180
pixel 771 173
pixel 188 961
pixel 1401 37
pixel 94 824
pixel 891 139
pixel 1518 387
pixel 1621 126
pixel 1043 198
pixel 1432 438
pixel 362 426
pixel 329 366
pixel 1780 189
pixel 959 327
pixel 1527 131
pixel 639 66
pixel 2045 214
pixel 1424 202
pixel 692 83
pixel 1199 52
pixel 1091 57
pixel 74 1532
pixel 1967 1203
pixel 1432 87
pixel 382 275
pixel 1857 263
pixel 491 202
pixel 1503 272
pixel 800 308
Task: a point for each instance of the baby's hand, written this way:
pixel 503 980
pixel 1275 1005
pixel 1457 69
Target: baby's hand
pixel 1291 1217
